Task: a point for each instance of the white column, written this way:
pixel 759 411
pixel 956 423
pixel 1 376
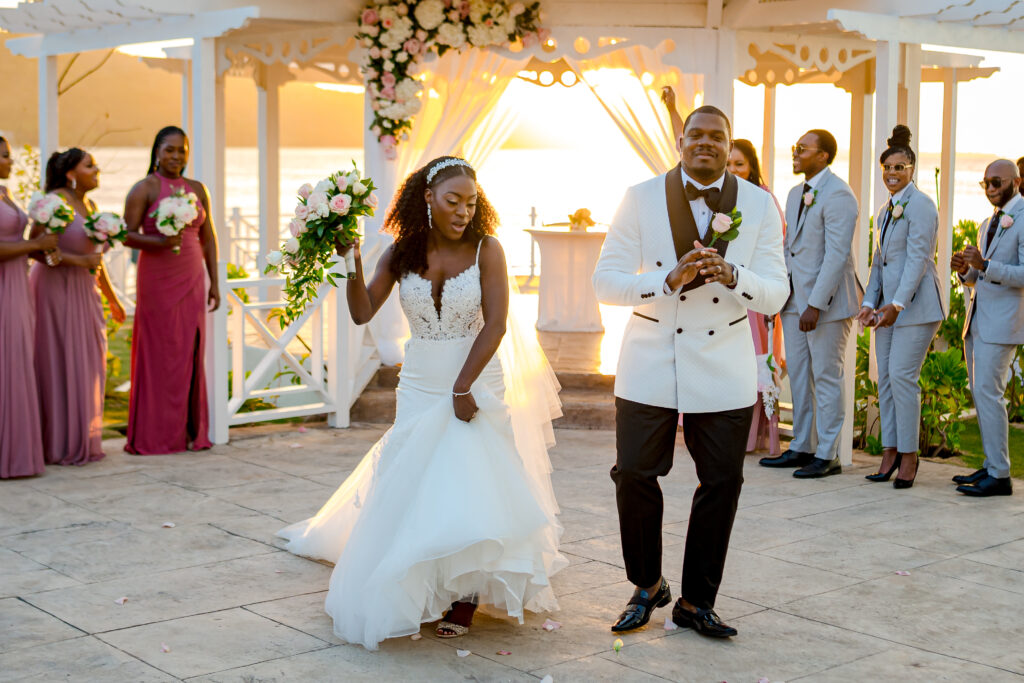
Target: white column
pixel 208 166
pixel 887 73
pixel 768 137
pixel 719 87
pixel 49 118
pixel 947 179
pixel 910 89
pixel 861 165
pixel 268 84
pixel 186 95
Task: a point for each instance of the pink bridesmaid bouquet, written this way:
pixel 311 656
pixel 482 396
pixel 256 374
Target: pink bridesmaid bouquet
pixel 176 212
pixel 51 211
pixel 106 228
pixel 326 213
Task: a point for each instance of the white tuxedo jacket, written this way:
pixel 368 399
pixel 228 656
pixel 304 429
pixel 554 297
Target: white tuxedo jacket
pixel 691 350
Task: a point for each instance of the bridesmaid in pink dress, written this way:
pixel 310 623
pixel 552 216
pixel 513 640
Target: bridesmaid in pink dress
pixel 167 411
pixel 764 432
pixel 70 333
pixel 21 445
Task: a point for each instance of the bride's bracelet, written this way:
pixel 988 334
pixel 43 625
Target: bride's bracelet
pixel 455 393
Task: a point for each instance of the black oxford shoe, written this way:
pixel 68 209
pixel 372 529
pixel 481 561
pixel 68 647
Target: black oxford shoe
pixel 819 468
pixel 638 611
pixel 790 458
pixel 989 486
pixel 703 621
pixel 972 478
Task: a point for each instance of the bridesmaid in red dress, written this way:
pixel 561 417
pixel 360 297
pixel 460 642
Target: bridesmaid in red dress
pixel 21 444
pixel 70 333
pixel 167 411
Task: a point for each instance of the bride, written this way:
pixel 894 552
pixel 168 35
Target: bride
pixel 453 507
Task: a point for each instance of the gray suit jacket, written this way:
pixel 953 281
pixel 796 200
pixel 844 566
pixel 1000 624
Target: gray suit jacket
pixel 903 267
pixel 819 251
pixel 997 294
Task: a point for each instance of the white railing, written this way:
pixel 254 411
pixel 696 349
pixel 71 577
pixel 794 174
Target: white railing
pixel 339 361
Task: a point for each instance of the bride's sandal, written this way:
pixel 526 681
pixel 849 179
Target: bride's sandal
pixel 451 627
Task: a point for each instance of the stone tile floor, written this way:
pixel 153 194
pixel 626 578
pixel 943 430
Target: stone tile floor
pixel 811 582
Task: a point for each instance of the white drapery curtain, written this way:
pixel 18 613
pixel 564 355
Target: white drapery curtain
pixel 461 116
pixel 628 83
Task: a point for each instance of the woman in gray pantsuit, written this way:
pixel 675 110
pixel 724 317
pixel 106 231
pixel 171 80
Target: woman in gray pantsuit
pixel 903 304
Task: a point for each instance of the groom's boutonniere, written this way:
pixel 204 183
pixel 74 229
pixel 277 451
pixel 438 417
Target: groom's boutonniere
pixel 726 226
pixel 1005 223
pixel 810 197
pixel 897 211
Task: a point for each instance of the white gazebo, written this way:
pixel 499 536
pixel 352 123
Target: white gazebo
pixel 869 48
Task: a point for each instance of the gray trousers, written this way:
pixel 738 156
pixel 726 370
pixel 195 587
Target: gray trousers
pixel 900 353
pixel 814 361
pixel 988 368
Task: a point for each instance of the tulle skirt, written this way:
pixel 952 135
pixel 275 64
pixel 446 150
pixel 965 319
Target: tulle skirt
pixel 439 509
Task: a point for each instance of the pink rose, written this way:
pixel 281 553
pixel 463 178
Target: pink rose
pixel 403 9
pixel 721 223
pixel 43 215
pixel 370 16
pixel 388 93
pixel 301 211
pixel 488 22
pixel 412 46
pixel 305 190
pixel 340 204
pixel 374 52
pixel 1005 221
pixel 372 201
pixel 422 35
pixel 101 236
pixel 296 226
pixel 388 79
pixel 387 23
pixel 809 198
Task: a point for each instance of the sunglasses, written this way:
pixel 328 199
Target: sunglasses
pixel 898 168
pixel 800 149
pixel 996 182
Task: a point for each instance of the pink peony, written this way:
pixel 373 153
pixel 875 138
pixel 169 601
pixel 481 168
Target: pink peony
pixel 412 46
pixel 388 79
pixel 388 93
pixel 387 23
pixel 370 16
pixel 305 190
pixel 340 204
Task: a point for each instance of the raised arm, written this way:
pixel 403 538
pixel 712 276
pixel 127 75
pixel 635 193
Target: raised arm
pixel 364 301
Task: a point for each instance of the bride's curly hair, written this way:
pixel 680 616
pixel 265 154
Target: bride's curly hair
pixel 407 218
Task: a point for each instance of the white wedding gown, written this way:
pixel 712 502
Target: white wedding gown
pixel 439 509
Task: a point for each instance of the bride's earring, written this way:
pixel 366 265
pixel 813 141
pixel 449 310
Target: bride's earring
pixel 74 184
pixel 430 218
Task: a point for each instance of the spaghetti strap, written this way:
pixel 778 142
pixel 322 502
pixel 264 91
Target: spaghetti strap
pixel 478 245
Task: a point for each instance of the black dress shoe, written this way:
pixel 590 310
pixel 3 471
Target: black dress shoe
pixel 790 458
pixel 638 611
pixel 819 468
pixel 989 486
pixel 703 621
pixel 972 478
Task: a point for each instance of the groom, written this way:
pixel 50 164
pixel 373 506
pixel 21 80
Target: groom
pixel 687 349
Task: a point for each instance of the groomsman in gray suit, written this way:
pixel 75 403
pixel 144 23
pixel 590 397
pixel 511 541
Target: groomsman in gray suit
pixel 993 273
pixel 821 215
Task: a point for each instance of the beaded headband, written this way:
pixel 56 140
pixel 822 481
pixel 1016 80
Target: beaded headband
pixel 440 166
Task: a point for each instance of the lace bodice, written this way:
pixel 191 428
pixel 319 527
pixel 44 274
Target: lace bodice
pixel 461 313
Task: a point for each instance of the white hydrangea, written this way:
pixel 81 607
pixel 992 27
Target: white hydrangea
pixel 407 89
pixel 479 35
pixel 430 14
pixel 400 32
pixel 388 13
pixel 478 9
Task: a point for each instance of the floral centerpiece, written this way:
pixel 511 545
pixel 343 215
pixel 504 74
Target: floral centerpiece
pixel 176 212
pixel 105 228
pixel 326 213
pixel 51 211
pixel 397 35
pixel 580 220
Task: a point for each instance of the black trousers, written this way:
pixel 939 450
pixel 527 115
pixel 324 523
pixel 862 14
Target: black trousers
pixel 645 440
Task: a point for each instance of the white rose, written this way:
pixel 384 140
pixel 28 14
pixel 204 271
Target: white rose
pixel 371 31
pixel 389 65
pixel 291 246
pixel 402 57
pixel 275 257
pixel 389 12
pixel 479 35
pixel 324 186
pixel 429 13
pixel 358 189
pixel 897 211
pixel 451 35
pixel 478 9
pixel 353 177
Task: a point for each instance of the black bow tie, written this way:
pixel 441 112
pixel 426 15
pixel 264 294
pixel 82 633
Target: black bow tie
pixel 711 195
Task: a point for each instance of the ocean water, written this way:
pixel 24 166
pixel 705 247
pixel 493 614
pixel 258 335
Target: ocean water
pixel 550 183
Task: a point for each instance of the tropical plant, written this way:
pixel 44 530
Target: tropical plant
pixel 865 393
pixel 944 397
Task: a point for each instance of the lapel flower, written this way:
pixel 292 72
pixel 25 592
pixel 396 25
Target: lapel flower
pixel 897 211
pixel 809 197
pixel 1005 221
pixel 726 226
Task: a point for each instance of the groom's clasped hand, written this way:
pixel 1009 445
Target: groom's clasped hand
pixel 699 260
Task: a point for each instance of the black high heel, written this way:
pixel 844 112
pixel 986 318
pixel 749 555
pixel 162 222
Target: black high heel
pixel 898 483
pixel 884 476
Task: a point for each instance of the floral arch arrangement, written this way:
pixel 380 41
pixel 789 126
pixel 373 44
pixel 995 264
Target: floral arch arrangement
pixel 397 35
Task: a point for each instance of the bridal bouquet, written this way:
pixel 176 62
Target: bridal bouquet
pixel 105 228
pixel 326 213
pixel 51 211
pixel 176 212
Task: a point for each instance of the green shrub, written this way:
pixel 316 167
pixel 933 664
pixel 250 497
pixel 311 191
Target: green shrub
pixel 944 397
pixel 865 393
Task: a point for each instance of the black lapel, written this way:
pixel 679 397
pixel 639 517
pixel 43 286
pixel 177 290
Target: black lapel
pixel 680 217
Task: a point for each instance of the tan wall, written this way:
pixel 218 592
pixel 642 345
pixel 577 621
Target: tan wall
pixel 126 102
